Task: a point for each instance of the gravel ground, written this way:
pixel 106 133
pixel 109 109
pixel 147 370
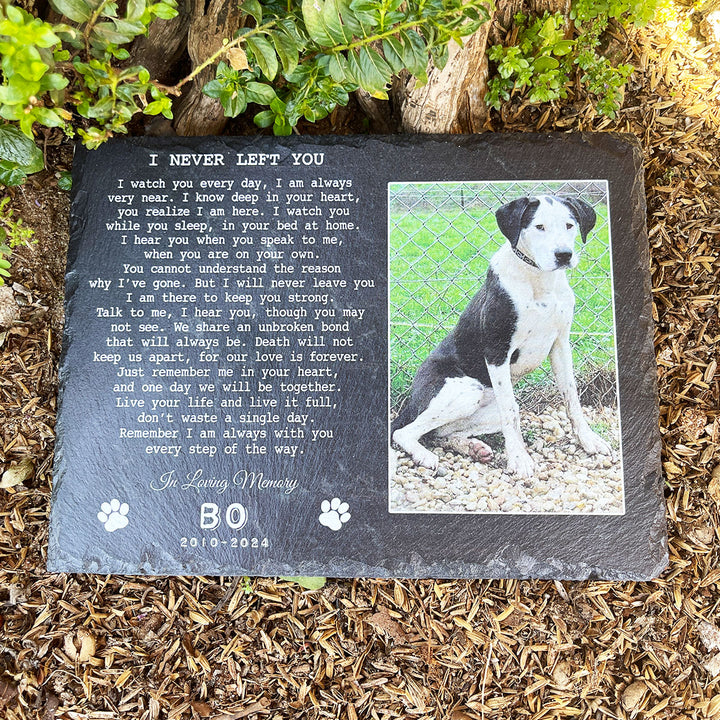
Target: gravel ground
pixel 567 479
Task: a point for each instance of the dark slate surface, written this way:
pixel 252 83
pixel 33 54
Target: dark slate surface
pixel 93 466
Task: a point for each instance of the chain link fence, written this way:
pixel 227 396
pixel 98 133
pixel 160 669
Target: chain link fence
pixel 442 236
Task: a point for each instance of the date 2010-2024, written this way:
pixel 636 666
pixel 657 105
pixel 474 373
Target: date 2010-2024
pixel 215 542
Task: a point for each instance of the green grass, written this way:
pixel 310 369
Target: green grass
pixel 439 253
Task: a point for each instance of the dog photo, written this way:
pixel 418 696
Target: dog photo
pixel 503 394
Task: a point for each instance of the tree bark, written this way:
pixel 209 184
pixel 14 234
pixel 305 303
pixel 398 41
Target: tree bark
pixel 452 100
pixel 161 49
pixel 195 113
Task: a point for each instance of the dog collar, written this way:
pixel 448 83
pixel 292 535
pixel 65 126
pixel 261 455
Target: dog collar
pixel 525 258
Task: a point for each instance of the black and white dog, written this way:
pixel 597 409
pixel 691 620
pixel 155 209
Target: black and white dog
pixel 521 315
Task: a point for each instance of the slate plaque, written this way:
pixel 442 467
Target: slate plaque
pixel 244 320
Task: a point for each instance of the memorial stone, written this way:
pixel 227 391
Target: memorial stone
pixel 243 320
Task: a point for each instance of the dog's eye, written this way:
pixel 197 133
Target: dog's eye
pixel 539 227
pixel 569 226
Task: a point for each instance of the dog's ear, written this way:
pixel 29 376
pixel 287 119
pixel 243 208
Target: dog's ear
pixel 514 216
pixel 583 213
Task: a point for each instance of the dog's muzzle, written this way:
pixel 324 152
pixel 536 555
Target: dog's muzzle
pixel 563 258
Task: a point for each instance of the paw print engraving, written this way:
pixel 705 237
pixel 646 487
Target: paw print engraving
pixel 334 513
pixel 113 515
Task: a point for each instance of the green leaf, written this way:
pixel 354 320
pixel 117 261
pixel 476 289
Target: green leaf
pixel 333 24
pixel 278 106
pixel 101 109
pixel 290 27
pixel 375 73
pixel 77 10
pixel 53 81
pixel 440 55
pixel 286 49
pixel 253 8
pixel 234 102
pixel 338 69
pixel 107 10
pixel 496 53
pixel 16 148
pixel 213 89
pixel 300 75
pixel 164 11
pixel 264 119
pixel 309 583
pixel 65 180
pixel 135 9
pixel 225 72
pixel 154 108
pixel 15 15
pixel 264 55
pixel 260 93
pixel 32 70
pixel 414 53
pixel 353 67
pixel 11 175
pixel 132 28
pixel 563 47
pixel 18 91
pixel 312 11
pixel 106 34
pixel 548 30
pixel 545 63
pixel 393 54
pixel 281 126
pixel 352 20
pixel 47 117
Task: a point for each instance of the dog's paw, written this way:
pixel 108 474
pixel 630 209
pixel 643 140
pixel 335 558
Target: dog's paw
pixel 593 444
pixel 113 515
pixel 426 458
pixel 479 451
pixel 473 448
pixel 521 464
pixel 334 513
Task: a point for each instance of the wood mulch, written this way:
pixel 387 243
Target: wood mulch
pixel 76 647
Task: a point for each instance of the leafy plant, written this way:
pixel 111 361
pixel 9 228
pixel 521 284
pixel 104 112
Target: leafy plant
pixel 304 60
pixel 49 68
pixel 603 80
pixel 106 95
pixel 12 233
pixel 543 60
pixel 29 50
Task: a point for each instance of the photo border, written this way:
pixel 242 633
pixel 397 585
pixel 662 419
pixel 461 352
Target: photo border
pixel 606 184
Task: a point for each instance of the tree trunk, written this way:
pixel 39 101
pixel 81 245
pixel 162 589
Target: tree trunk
pixel 452 100
pixel 161 49
pixel 195 113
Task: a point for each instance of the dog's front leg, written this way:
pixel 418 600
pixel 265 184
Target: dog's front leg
pixel 561 361
pixel 519 460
